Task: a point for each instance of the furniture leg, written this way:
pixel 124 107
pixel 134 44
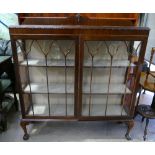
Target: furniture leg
pixel 143 119
pixel 135 113
pixel 144 91
pixel 4 124
pixel 3 119
pixel 23 124
pixel 145 131
pixel 15 101
pixel 130 125
pixel 1 99
pixel 153 102
pixel 139 97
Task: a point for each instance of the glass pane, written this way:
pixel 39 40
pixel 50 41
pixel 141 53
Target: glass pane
pixel 108 77
pixel 47 75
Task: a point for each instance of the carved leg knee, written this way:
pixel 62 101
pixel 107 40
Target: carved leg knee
pixel 23 125
pixel 130 125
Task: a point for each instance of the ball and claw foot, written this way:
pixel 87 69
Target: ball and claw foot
pixel 26 137
pixel 128 137
pixel 130 125
pixel 23 125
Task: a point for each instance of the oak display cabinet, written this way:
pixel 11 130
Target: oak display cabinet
pixel 82 73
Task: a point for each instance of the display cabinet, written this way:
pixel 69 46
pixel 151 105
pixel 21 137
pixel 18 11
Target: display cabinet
pixel 82 73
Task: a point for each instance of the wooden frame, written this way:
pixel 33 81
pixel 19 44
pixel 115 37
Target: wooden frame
pixel 106 19
pixel 79 33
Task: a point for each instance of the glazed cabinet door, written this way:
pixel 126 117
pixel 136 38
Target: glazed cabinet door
pixel 108 77
pixel 47 76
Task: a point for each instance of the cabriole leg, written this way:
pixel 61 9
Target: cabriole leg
pixel 23 124
pixel 130 125
pixel 145 131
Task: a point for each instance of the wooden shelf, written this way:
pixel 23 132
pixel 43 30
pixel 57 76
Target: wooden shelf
pixel 60 89
pixel 50 63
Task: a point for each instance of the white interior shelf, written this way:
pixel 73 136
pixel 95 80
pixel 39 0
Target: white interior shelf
pixel 103 89
pixel 99 110
pixel 52 62
pixel 60 110
pixel 69 62
pixel 106 63
pixel 55 109
pixel 60 88
pixel 53 88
